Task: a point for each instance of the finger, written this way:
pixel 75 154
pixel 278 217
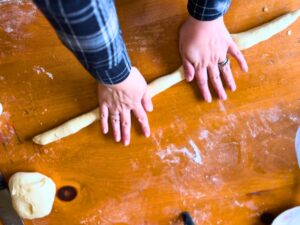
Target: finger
pixel 147 102
pixel 214 75
pixel 238 55
pixel 125 126
pixel 115 123
pixel 201 78
pixel 104 118
pixel 228 77
pixel 189 70
pixel 141 116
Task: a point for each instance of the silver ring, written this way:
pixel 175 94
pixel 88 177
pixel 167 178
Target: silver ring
pixel 223 63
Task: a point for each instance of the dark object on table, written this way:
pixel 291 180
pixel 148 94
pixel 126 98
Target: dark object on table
pixel 187 219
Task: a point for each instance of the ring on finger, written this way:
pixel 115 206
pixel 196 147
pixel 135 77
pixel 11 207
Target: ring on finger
pixel 223 63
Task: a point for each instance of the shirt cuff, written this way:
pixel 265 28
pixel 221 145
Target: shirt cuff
pixel 114 75
pixel 207 10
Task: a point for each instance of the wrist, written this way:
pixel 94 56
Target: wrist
pixel 196 22
pixel 120 83
pixel 129 81
pixel 207 10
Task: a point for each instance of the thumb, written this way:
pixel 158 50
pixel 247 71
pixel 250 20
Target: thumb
pixel 147 102
pixel 189 70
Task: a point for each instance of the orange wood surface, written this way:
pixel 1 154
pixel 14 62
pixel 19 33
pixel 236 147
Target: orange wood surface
pixel 246 143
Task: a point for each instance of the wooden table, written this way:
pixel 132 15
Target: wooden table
pixel 248 171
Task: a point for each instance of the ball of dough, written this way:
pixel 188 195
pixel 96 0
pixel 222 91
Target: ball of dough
pixel 32 194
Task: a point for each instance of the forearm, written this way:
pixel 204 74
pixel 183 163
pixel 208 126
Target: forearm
pixel 90 29
pixel 207 10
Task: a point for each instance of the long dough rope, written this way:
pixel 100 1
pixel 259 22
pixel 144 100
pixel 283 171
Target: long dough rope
pixel 76 124
pixel 244 40
pixel 258 34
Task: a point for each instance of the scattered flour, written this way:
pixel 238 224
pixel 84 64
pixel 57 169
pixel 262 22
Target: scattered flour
pixel 197 157
pixel 16 16
pixel 221 106
pixel 203 134
pixel 41 70
pixel 239 204
pixel 249 204
pixel 50 75
pixel 170 154
pixel 272 114
pixel 293 118
pixel 8 29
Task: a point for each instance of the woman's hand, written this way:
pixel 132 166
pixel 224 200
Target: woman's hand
pixel 116 103
pixel 203 45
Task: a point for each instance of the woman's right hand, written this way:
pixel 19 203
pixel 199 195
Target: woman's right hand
pixel 116 102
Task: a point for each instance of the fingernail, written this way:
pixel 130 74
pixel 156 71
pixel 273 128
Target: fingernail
pixel 208 100
pixel 246 69
pixel 147 134
pixel 233 88
pixel 126 142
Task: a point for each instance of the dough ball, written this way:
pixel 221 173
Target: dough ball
pixel 32 194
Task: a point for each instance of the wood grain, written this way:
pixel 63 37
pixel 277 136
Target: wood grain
pixel 246 143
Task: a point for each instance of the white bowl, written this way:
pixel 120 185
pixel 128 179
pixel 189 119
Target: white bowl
pixel 288 217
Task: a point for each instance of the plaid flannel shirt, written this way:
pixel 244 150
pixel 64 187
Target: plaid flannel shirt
pixel 206 10
pixel 90 30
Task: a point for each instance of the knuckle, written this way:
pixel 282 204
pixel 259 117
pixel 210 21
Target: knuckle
pixel 202 82
pixel 114 120
pixel 214 59
pixel 145 127
pixel 203 63
pixel 237 52
pixel 215 77
pixel 125 124
pixel 126 136
pixel 142 120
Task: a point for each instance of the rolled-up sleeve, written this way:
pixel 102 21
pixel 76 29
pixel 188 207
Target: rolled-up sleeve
pixel 90 29
pixel 207 10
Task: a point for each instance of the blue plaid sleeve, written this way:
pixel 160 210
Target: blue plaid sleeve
pixel 207 10
pixel 90 29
